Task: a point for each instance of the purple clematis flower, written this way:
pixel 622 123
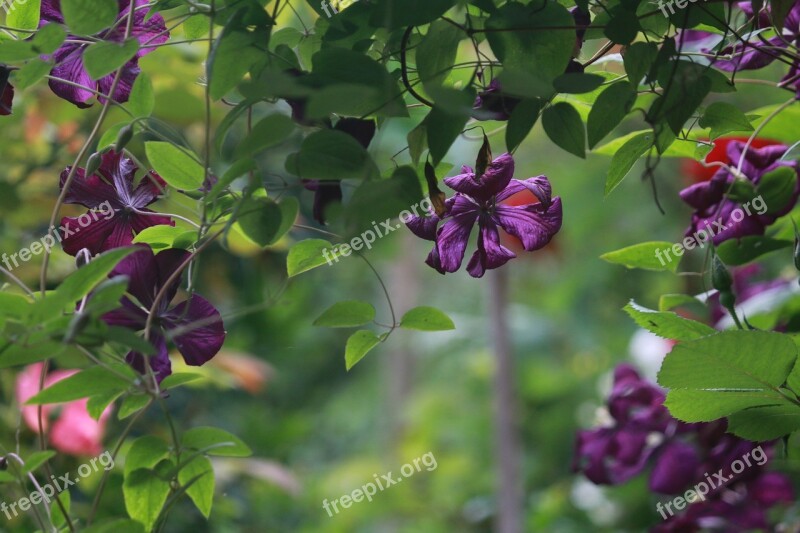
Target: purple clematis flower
pixel 478 200
pixel 150 32
pixel 492 104
pixel 6 91
pixel 110 193
pixel 714 210
pixel 194 325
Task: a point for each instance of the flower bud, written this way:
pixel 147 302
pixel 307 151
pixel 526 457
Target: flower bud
pixel 727 300
pixel 93 164
pixel 83 257
pixel 123 138
pixel 720 276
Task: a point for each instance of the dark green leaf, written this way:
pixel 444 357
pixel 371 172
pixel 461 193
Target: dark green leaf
pixel 625 157
pixel 608 111
pixel 563 125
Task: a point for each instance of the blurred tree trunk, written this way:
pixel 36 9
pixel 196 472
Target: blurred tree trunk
pixel 508 458
pixel 400 363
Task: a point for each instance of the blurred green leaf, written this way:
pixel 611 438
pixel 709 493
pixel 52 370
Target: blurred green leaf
pixel 644 255
pixel 358 345
pixel 215 441
pixel 426 319
pixel 348 314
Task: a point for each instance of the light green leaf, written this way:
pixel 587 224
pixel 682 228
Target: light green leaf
pixel 667 324
pixel 358 345
pixel 145 452
pixel 181 378
pixel 30 73
pixel 215 441
pixel 761 424
pixel 264 221
pixel 308 254
pixel 37 459
pixel 90 382
pixel 179 169
pixel 145 494
pixel 163 236
pixel 23 15
pixel 437 52
pixel 646 255
pixel 133 403
pixel 426 319
pixel 142 100
pixel 201 491
pixel 348 314
pixel 623 160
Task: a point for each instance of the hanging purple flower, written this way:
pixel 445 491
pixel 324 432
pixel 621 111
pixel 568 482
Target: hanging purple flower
pixel 478 200
pixel 492 104
pixel 116 206
pixel 715 214
pixel 193 325
pixel 150 32
pixel 6 91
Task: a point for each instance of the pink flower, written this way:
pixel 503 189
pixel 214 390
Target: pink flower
pixel 74 431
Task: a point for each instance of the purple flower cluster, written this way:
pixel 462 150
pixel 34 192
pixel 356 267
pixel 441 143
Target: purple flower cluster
pixel 713 207
pixel 149 31
pixel 642 433
pixel 194 325
pixel 478 200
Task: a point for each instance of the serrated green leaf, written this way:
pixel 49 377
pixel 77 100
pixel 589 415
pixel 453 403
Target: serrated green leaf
pixel 667 324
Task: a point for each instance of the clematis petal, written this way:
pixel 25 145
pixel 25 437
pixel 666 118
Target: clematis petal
pixel 121 236
pixel 197 328
pixel 490 253
pixel 423 227
pixel 128 316
pixel 88 191
pixel 94 236
pixel 140 223
pixel 51 11
pixel 69 66
pixel 150 32
pixel 361 130
pixel 127 77
pixel 6 91
pixel 149 189
pixel 159 362
pixel 167 262
pixel 539 186
pixel 454 234
pixel 142 271
pixel 675 468
pixel 496 178
pixel 534 224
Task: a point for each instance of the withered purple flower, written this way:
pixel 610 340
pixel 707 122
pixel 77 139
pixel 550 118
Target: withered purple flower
pixel 193 325
pixel 110 192
pixel 150 32
pixel 478 200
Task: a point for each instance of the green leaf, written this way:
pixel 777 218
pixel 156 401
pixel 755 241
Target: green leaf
pixel 269 132
pixel 644 255
pixel 358 345
pixel 306 255
pixel 131 404
pixel 178 168
pixel 761 424
pixel 348 314
pixel 233 53
pixel 142 100
pixel 30 73
pixel 105 57
pixel 563 125
pixel 426 319
pixel 737 252
pixel 671 301
pixel 623 160
pixel 49 38
pixel 331 155
pixel 721 374
pixel 90 382
pixel 522 121
pixel 23 15
pixel 201 491
pixel 443 129
pixel 776 188
pixel 181 378
pixel 536 50
pixel 162 237
pixel 608 111
pixel 215 441
pixel 638 60
pixel 724 118
pixel 375 201
pixel 436 54
pixel 145 494
pixel 401 13
pixel 59 520
pixel 88 17
pixel 98 403
pixel 667 324
pixel 37 459
pixel 81 282
pixel 623 26
pixel 265 222
pixel 577 82
pixel 145 452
